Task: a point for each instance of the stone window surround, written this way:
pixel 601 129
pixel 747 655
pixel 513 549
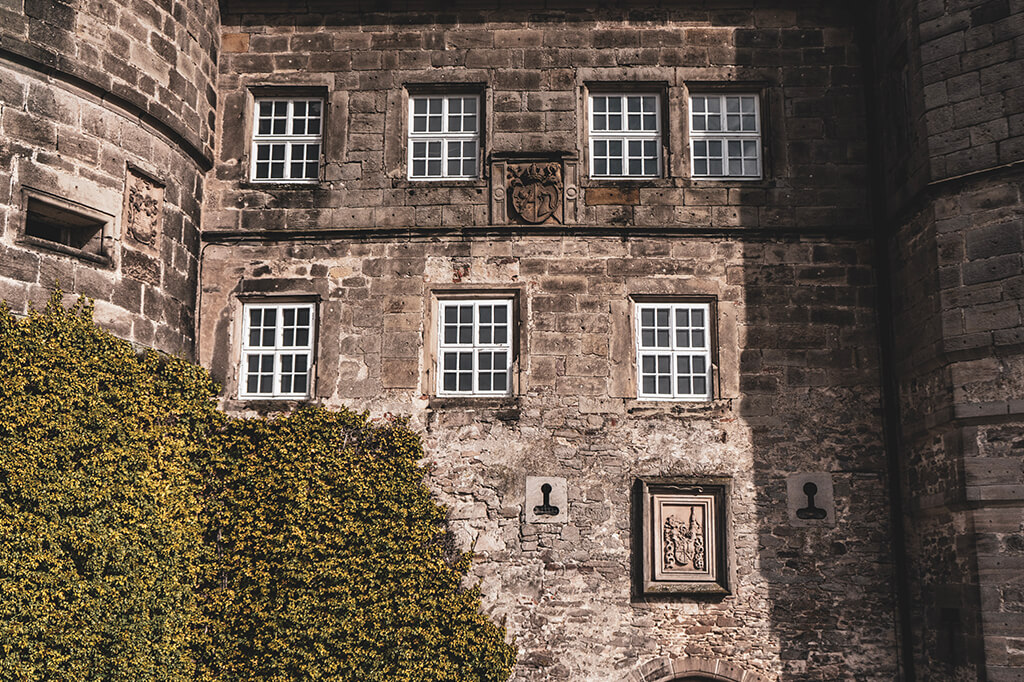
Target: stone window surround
pixel 625 134
pixel 760 89
pixel 625 345
pixel 238 306
pixel 289 139
pixel 429 373
pixel 398 166
pixel 444 137
pixel 705 352
pixel 80 196
pixel 589 88
pixel 260 90
pixel 675 97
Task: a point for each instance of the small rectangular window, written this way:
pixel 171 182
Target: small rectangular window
pixel 625 135
pixel 277 350
pixel 64 226
pixel 474 347
pixel 286 140
pixel 725 136
pixel 673 351
pixel 444 137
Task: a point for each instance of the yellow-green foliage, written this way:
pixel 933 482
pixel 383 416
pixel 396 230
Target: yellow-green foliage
pixel 100 536
pixel 145 536
pixel 331 561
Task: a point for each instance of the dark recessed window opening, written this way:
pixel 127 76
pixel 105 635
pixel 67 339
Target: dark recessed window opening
pixel 63 226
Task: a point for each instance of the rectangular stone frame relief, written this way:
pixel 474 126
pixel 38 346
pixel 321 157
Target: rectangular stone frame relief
pixel 684 536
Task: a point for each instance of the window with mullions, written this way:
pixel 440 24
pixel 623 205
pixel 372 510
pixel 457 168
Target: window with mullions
pixel 673 351
pixel 625 136
pixel 277 350
pixel 444 137
pixel 725 136
pixel 475 348
pixel 286 140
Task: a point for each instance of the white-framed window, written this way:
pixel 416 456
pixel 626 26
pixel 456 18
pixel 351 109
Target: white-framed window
pixel 625 135
pixel 673 356
pixel 444 137
pixel 474 349
pixel 287 136
pixel 725 136
pixel 277 350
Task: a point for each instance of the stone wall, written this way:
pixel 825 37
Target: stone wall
pixel 959 274
pixel 156 59
pixel 533 69
pixel 107 111
pixel 956 259
pixel 797 391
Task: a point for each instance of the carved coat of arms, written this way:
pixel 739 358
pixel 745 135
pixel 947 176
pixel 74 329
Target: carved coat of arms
pixel 683 546
pixel 143 204
pixel 535 190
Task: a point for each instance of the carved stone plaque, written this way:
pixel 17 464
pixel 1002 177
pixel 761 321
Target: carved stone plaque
pixel 547 500
pixel 143 206
pixel 684 537
pixel 535 191
pixel 810 499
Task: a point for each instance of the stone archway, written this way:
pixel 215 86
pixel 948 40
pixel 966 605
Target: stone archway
pixel 691 669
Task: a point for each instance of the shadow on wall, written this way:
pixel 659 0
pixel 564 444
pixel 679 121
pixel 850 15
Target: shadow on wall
pixel 810 397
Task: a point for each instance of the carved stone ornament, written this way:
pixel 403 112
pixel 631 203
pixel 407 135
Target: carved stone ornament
pixel 535 191
pixel 684 522
pixel 684 537
pixel 143 207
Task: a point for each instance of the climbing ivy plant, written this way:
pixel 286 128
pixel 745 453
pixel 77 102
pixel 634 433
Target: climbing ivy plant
pixel 146 536
pixel 100 535
pixel 330 561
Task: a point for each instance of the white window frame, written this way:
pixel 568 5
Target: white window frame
pixel 674 351
pixel 443 137
pixel 724 137
pixel 475 348
pixel 624 136
pixel 288 139
pixel 277 352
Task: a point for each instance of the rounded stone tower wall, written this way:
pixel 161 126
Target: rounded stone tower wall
pixel 106 113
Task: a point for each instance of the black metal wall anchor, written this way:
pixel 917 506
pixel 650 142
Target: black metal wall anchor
pixel 811 511
pixel 546 508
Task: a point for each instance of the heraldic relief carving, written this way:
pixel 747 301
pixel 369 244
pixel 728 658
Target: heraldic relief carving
pixel 143 204
pixel 684 537
pixel 535 191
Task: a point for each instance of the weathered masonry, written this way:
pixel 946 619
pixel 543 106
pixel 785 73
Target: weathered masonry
pixel 710 317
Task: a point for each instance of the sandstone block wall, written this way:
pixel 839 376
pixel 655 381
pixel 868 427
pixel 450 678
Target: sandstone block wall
pixel 797 391
pixel 959 269
pixel 158 59
pixel 956 260
pixel 533 69
pixel 797 383
pixel 100 102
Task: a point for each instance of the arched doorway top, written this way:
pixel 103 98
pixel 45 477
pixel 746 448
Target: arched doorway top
pixel 667 669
